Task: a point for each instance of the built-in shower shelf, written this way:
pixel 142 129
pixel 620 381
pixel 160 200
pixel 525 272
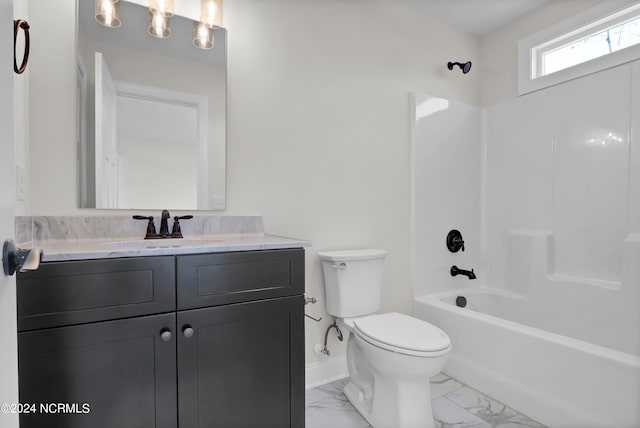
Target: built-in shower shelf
pixel 602 283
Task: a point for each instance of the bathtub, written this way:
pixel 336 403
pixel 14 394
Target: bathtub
pixel 558 380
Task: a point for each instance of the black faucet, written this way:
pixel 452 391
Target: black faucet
pixel 164 226
pixel 455 270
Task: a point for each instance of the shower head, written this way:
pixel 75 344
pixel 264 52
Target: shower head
pixel 464 67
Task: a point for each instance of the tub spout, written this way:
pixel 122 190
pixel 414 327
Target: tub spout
pixel 455 270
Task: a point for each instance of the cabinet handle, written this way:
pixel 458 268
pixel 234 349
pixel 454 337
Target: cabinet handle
pixel 165 335
pixel 187 331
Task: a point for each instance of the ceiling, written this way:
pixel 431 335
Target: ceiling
pixel 476 17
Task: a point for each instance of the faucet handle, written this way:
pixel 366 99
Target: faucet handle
pixel 183 217
pixel 176 232
pixel 151 227
pixel 142 217
pixel 455 241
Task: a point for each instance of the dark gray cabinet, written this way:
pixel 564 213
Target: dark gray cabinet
pixel 116 374
pixel 118 341
pixel 239 365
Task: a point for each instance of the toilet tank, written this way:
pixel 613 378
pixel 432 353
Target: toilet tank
pixel 352 281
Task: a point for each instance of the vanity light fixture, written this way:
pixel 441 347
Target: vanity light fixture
pixel 108 13
pixel 160 12
pixel 159 25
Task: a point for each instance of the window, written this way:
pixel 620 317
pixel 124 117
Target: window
pixel 599 38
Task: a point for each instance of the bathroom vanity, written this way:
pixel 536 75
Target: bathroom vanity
pixel 206 337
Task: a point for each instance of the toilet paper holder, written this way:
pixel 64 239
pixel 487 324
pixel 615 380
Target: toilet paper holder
pixel 14 258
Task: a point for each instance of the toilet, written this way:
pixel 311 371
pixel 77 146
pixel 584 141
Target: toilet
pixel 391 356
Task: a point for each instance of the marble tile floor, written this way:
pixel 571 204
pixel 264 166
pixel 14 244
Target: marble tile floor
pixel 454 404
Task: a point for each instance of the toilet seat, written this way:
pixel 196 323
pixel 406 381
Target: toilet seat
pixel 402 334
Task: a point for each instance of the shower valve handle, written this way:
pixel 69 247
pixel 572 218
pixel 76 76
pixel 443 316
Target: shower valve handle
pixel 455 242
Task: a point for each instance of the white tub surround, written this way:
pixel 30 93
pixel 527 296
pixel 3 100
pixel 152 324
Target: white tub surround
pixel 446 191
pixel 556 239
pixel 97 237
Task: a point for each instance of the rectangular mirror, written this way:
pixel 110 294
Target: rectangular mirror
pixel 151 114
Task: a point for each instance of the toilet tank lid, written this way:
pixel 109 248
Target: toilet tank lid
pixel 349 255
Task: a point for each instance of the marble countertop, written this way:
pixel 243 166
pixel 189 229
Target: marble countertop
pixel 86 249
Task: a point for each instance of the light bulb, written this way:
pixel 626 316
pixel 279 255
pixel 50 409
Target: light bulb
pixel 162 7
pixel 159 25
pixel 108 12
pixel 211 12
pixel 202 35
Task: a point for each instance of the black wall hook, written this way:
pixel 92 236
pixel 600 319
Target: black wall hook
pixel 18 25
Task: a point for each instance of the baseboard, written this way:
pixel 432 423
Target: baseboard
pixel 321 372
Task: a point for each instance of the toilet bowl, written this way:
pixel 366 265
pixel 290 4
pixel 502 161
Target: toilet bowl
pixel 390 356
pixel 389 374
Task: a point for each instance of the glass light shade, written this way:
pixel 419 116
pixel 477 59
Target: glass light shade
pixel 211 12
pixel 159 25
pixel 162 7
pixel 202 35
pixel 108 13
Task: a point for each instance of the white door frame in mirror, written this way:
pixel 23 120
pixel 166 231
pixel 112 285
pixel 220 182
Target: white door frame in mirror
pixel 197 102
pixel 108 94
pixel 106 143
pixel 81 136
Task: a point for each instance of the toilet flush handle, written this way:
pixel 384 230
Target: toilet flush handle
pixel 341 265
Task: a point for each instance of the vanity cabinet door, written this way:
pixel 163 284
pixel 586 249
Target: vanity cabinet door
pixel 108 374
pixel 242 365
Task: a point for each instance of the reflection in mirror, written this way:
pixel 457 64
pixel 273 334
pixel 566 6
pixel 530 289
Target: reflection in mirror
pixel 151 120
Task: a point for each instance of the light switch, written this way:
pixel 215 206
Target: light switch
pixel 218 203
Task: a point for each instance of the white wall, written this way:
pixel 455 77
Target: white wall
pixel 52 107
pixel 318 140
pixel 21 108
pixel 317 124
pixel 144 181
